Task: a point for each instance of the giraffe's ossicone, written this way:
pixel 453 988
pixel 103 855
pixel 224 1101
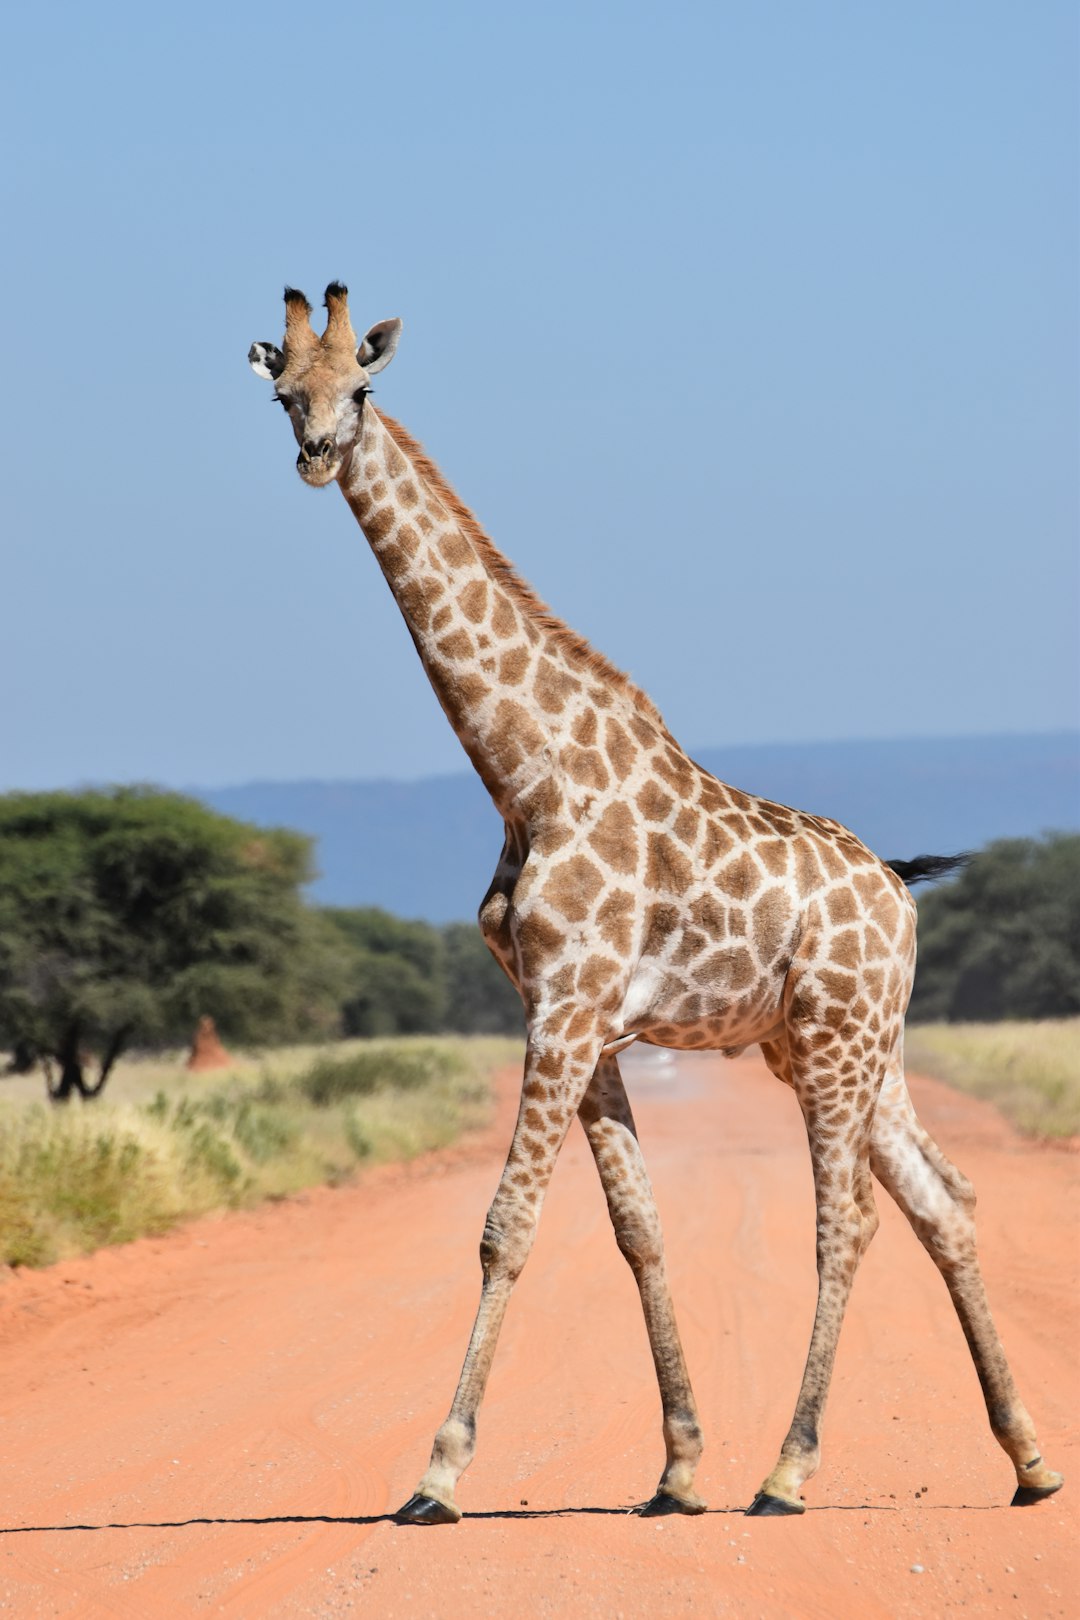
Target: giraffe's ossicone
pixel 638 899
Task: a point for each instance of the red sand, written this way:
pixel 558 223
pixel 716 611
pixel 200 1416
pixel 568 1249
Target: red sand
pixel 218 1422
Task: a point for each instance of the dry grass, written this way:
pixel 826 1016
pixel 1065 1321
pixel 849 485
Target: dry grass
pixel 1030 1070
pixel 167 1145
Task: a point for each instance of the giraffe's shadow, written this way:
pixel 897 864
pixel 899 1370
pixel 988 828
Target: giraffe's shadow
pixel 365 1520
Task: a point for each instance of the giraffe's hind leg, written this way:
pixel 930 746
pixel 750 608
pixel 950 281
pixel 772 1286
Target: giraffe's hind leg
pixel 838 1122
pixel 939 1202
pixel 609 1125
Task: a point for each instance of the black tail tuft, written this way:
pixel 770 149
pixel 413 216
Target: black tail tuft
pixel 924 867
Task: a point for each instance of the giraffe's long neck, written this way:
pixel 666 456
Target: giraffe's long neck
pixel 525 696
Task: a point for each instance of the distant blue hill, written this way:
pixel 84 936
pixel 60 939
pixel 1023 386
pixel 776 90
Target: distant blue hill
pixel 428 848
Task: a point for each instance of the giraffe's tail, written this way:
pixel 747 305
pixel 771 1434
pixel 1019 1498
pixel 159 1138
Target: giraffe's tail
pixel 924 867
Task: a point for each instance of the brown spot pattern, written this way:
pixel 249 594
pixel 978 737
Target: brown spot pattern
pixel 458 644
pixel 513 666
pixel 473 600
pixel 572 886
pixel 503 617
pixel 553 686
pixel 454 549
pixel 620 749
pixel 585 727
pixel 666 867
pixel 614 838
pixel 585 766
pixel 379 524
pixel 654 803
pixel 615 921
pixel 739 877
pixel 771 921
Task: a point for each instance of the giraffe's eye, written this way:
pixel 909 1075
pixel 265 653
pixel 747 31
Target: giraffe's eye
pixel 281 400
pixel 360 396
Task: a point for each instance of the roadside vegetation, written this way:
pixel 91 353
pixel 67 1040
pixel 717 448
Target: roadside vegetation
pixel 1031 1071
pixel 168 1145
pixel 997 986
pixel 127 915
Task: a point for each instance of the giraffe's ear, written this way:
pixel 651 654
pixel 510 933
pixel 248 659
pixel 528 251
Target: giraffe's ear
pixel 377 349
pixel 266 360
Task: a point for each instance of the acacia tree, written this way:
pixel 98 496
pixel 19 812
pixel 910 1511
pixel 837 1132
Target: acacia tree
pixel 127 914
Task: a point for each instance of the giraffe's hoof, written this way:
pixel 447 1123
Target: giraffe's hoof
pixel 765 1506
pixel 425 1510
pixel 1028 1495
pixel 664 1503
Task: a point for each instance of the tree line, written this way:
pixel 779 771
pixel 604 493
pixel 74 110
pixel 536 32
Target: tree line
pixel 128 914
pixel 1003 939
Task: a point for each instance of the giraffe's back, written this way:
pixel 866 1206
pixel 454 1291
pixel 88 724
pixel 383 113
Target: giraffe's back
pixel 680 905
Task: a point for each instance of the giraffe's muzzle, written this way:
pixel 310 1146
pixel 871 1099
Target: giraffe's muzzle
pixel 318 462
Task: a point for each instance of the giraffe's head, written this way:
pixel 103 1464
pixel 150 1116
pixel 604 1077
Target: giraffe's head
pixel 322 381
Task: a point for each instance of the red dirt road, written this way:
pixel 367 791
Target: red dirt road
pixel 218 1422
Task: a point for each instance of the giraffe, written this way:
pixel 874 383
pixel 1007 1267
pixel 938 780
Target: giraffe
pixel 637 898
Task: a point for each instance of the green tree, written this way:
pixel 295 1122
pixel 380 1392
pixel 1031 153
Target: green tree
pixel 127 914
pixel 480 1000
pixel 395 973
pixel 412 978
pixel 1003 940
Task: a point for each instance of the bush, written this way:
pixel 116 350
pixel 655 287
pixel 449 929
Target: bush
pixel 60 1174
pixel 403 1068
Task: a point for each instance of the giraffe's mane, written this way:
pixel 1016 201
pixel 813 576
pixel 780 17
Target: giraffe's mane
pixel 503 571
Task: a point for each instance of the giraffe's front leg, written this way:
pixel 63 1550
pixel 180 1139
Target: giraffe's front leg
pixel 556 1076
pixel 846 1222
pixel 609 1125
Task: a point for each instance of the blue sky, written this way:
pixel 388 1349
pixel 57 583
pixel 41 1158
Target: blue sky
pixel 749 331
